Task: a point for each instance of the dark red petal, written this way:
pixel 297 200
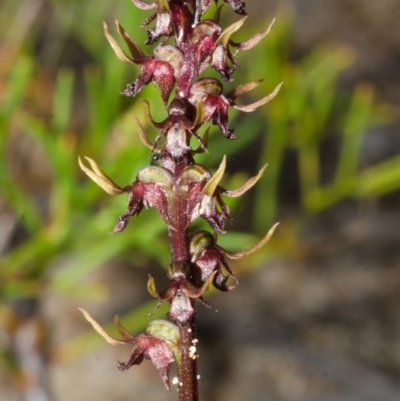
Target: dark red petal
pixel 162 357
pixel 181 308
pixel 154 196
pixel 162 28
pixel 220 282
pixel 207 264
pixel 156 350
pixel 135 205
pixel 220 118
pixel 210 104
pixel 137 355
pixel 222 204
pixel 219 63
pixel 145 76
pixel 165 79
pixel 194 196
pixel 237 6
pixel 181 19
pixel 210 213
pixel 144 195
pixel 216 220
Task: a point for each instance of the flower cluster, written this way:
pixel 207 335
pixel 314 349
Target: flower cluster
pixel 177 187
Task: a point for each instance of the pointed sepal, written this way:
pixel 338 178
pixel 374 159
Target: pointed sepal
pixel 246 186
pixel 101 178
pixel 261 243
pixel 251 107
pixel 213 182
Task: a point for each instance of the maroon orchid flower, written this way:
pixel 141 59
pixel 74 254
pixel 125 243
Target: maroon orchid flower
pixel 205 195
pixel 171 17
pixel 177 128
pixel 215 104
pixel 208 258
pixel 163 67
pixel 152 188
pixel 180 292
pixel 159 343
pixel 146 194
pixel 208 45
pixel 222 52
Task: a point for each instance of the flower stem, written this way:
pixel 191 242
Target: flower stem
pixel 187 371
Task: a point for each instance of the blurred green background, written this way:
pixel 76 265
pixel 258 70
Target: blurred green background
pixel 59 97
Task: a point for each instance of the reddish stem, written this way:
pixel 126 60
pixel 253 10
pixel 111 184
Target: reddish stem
pixel 187 371
pixel 178 236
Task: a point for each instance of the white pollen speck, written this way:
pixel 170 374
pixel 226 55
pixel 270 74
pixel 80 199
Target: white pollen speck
pixel 198 377
pixel 189 330
pixel 192 352
pixel 195 341
pixel 181 384
pixel 175 381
